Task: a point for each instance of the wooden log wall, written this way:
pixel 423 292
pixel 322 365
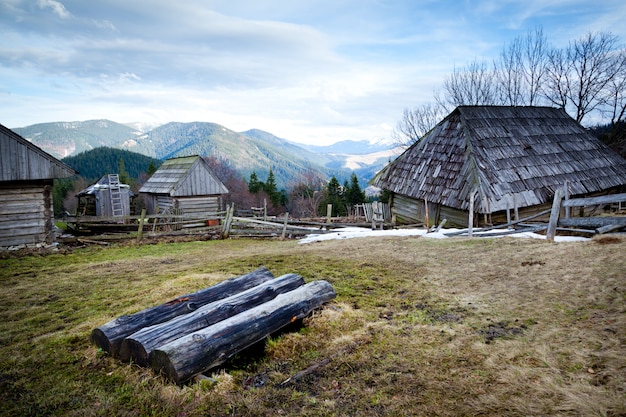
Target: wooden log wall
pixel 26 213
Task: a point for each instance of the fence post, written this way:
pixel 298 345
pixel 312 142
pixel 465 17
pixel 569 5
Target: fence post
pixel 285 226
pixel 141 220
pixel 554 214
pixel 470 219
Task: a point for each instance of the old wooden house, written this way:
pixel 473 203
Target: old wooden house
pixel 26 177
pixel 502 159
pixel 183 185
pixel 107 197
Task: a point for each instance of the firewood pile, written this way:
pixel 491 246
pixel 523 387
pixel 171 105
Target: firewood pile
pixel 196 332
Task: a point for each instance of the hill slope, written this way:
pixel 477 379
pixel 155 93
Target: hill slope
pixel 250 151
pixel 61 139
pixel 253 151
pixel 100 161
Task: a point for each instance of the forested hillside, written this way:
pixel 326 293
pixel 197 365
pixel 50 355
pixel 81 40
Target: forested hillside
pixel 93 164
pixel 253 151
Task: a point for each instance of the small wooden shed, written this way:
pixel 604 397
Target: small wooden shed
pixel 105 198
pixel 186 185
pixel 26 178
pixel 507 158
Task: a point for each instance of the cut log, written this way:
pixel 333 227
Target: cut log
pixel 138 346
pixel 212 346
pixel 109 336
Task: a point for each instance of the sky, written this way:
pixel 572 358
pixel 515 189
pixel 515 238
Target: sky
pixel 314 72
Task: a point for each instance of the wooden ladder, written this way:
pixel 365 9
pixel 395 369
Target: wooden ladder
pixel 117 208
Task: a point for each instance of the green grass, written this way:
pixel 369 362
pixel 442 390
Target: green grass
pixel 405 336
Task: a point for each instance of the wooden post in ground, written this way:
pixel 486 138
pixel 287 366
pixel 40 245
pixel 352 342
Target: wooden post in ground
pixel 470 219
pixel 554 214
pixel 285 226
pixel 567 208
pixel 141 220
pixel 329 212
pixel 426 213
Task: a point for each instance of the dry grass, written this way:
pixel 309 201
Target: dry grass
pixel 420 327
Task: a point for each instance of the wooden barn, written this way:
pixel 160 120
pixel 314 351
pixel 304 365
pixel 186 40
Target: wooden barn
pixel 185 185
pixel 26 176
pixel 509 159
pixel 105 198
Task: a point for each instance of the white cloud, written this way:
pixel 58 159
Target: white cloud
pixel 56 7
pixel 306 71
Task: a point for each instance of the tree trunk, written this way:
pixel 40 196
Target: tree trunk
pixel 202 350
pixel 138 346
pixel 109 336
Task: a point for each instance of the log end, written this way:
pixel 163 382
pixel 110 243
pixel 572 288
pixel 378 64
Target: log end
pixel 100 339
pixel 160 363
pixel 133 351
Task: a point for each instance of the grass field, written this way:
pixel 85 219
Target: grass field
pixel 420 327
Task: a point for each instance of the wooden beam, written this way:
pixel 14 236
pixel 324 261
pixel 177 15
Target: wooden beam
pixel 593 222
pixel 554 214
pixel 593 201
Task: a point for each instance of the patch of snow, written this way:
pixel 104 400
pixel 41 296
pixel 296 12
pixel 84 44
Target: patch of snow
pixel 360 232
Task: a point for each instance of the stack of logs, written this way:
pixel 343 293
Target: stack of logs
pixel 199 331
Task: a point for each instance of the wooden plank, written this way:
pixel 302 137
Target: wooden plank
pixel 110 335
pixel 138 346
pixel 609 228
pixel 592 201
pixel 592 222
pixel 554 214
pixel 470 219
pixel 207 348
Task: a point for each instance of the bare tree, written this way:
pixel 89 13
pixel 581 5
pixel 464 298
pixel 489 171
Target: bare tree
pixel 521 69
pixel 416 122
pixel 556 87
pixel 585 76
pixel 594 67
pixel 306 194
pixel 473 85
pixel 536 50
pixel 615 105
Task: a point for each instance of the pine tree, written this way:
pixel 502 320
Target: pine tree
pixel 271 189
pixel 254 186
pixel 335 196
pixel 354 194
pixel 124 177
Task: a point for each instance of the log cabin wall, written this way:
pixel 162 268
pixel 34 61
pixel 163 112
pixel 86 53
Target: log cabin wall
pixel 26 178
pixel 26 213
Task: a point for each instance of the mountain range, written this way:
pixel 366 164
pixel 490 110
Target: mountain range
pixel 250 151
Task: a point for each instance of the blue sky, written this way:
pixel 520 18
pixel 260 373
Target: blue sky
pixel 307 71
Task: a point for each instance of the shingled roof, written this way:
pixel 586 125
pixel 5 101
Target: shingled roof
pixel 505 153
pixel 184 176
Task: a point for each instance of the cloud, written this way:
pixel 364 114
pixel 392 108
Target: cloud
pixel 317 71
pixel 56 7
